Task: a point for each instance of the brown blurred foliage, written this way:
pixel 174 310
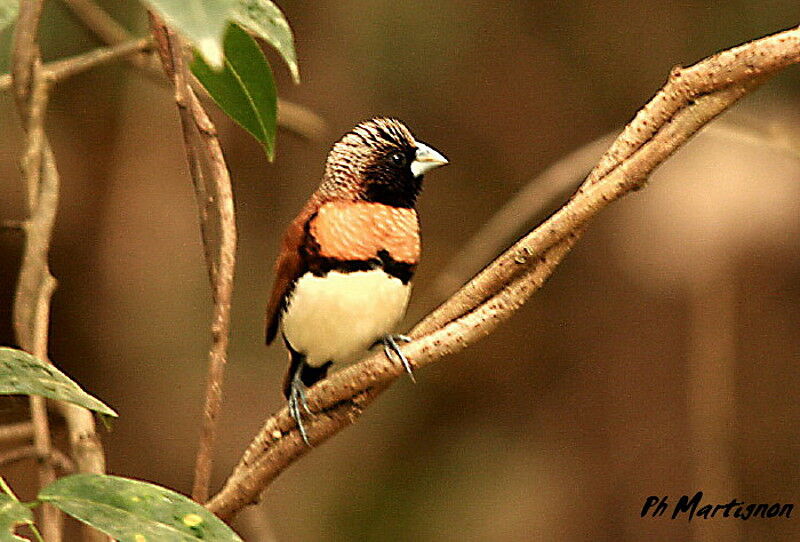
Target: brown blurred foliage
pixel 554 428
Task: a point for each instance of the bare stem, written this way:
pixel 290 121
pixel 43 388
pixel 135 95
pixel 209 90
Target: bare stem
pixel 16 431
pixel 691 98
pixel 35 284
pixel 203 149
pixel 31 314
pixel 98 21
pixel 7 490
pixel 539 194
pixel 56 458
pixel 62 69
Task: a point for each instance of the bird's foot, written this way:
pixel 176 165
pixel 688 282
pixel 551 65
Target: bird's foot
pixel 298 401
pixel 393 352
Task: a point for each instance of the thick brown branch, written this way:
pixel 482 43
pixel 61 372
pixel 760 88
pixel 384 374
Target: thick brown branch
pixel 690 99
pixel 692 96
pixel 537 196
pixel 202 148
pixel 339 400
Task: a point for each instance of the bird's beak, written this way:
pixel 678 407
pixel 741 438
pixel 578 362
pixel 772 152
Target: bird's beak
pixel 426 159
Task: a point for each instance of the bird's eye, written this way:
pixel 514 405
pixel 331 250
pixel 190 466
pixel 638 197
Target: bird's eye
pixel 398 159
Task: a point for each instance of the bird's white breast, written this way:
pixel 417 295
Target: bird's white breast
pixel 338 316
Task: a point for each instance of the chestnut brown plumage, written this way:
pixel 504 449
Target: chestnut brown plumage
pixel 342 278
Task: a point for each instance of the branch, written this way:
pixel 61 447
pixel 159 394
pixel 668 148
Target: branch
pixel 35 287
pixel 35 284
pixel 339 400
pixel 62 69
pixel 16 431
pixel 55 458
pixel 538 195
pixel 691 98
pixel 98 21
pixel 202 147
pixel 293 117
pixel 301 120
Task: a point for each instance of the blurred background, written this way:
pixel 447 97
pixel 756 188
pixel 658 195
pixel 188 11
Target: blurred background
pixel 660 359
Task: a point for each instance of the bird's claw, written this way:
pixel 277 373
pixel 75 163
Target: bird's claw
pixel 297 399
pixel 393 352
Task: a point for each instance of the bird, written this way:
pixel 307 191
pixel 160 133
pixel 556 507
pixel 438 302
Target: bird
pixel 343 275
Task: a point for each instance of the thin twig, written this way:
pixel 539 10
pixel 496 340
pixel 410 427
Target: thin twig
pixel 32 526
pixel 16 431
pixel 62 69
pixel 538 195
pixel 56 459
pixel 698 94
pixel 202 148
pixel 301 120
pixel 98 21
pixel 59 70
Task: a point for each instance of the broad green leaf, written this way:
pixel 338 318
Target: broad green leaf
pixel 133 511
pixel 202 22
pixel 22 373
pixel 8 12
pixel 244 89
pixel 12 514
pixel 266 21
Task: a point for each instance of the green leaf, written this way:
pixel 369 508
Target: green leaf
pixel 133 511
pixel 266 21
pixel 12 513
pixel 21 373
pixel 245 89
pixel 202 22
pixel 8 12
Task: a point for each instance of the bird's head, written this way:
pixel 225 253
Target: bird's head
pixel 380 161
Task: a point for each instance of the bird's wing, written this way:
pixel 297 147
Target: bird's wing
pixel 288 267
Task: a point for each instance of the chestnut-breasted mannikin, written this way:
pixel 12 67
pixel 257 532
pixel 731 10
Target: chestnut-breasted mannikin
pixel 343 276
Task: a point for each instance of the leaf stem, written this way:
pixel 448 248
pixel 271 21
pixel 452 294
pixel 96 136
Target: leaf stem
pixel 7 490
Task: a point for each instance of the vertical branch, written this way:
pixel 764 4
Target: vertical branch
pixel 35 286
pixel 203 149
